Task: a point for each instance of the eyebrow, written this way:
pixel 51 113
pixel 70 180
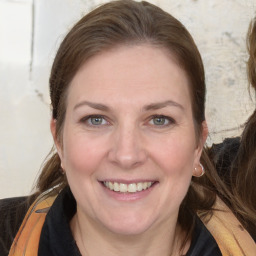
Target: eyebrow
pixel 152 106
pixel 92 105
pixel 159 105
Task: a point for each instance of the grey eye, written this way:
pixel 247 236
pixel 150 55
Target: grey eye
pixel 96 120
pixel 159 120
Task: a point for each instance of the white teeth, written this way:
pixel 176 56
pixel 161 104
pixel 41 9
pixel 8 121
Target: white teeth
pixel 110 185
pixel 116 187
pixel 130 188
pixel 123 188
pixel 144 185
pixel 139 186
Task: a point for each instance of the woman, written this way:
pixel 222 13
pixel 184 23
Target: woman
pixel 235 158
pixel 127 90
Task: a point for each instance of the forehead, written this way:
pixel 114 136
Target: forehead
pixel 138 72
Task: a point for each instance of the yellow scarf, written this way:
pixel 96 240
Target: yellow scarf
pixel 26 241
pixel 232 239
pixel 228 232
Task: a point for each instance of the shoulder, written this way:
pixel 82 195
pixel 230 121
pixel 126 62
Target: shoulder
pixel 12 212
pixel 228 232
pixel 203 243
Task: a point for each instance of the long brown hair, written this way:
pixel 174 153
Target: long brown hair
pixel 243 169
pixel 131 22
pixel 235 158
pixel 251 47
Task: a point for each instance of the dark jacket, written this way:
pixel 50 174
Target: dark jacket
pixel 56 237
pixel 12 212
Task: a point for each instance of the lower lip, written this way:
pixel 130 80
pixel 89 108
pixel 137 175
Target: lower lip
pixel 129 196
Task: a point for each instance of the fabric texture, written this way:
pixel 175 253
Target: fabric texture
pixel 55 237
pixel 231 237
pixel 12 213
pixel 223 155
pixel 27 239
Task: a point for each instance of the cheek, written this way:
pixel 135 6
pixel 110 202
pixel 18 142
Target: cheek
pixel 177 155
pixel 80 154
pixel 176 161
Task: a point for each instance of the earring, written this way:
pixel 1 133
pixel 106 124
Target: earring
pixel 201 173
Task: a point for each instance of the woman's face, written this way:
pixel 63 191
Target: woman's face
pixel 129 147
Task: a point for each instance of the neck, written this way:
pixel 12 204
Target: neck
pixel 161 241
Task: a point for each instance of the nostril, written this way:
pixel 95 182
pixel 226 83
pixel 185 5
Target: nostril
pixel 127 160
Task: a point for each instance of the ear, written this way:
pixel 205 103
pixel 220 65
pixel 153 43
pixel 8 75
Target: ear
pixel 201 142
pixel 55 138
pixel 204 134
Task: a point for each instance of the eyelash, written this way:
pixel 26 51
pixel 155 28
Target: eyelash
pixel 170 120
pixel 88 121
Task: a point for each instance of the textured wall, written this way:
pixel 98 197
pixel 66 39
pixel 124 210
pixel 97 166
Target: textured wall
pixel 30 32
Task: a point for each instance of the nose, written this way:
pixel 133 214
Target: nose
pixel 127 150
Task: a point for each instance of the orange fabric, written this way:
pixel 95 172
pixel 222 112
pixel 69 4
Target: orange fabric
pixel 26 241
pixel 231 238
pixel 228 232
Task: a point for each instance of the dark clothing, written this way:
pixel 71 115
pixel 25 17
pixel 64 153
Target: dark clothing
pixel 56 237
pixel 203 243
pixel 12 213
pixel 223 155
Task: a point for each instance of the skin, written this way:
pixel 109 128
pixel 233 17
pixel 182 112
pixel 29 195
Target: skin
pixel 142 130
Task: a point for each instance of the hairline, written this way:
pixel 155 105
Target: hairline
pixel 130 43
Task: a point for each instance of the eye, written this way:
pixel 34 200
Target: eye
pixel 161 120
pixel 94 120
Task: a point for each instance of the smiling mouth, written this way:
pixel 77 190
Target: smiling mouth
pixel 127 188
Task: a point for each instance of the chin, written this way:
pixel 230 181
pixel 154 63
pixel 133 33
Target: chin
pixel 128 230
pixel 128 226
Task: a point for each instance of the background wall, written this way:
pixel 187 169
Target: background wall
pixel 30 32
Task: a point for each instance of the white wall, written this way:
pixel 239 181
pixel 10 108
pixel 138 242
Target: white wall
pixel 30 32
